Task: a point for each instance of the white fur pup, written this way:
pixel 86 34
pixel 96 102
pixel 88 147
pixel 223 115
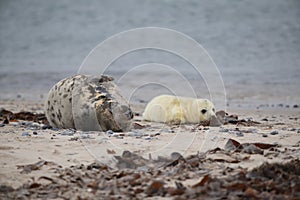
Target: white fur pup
pixel 173 109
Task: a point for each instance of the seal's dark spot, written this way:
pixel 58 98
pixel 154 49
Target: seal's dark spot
pixel 59 116
pixel 105 79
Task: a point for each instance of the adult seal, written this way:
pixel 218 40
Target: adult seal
pixel 88 103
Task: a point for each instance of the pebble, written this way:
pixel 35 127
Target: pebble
pixel 46 127
pixel 14 123
pixel 295 106
pixel 239 134
pixel 109 132
pixel 274 133
pixel 148 138
pixel 1 125
pixel 264 135
pixel 25 133
pixel 252 149
pixel 34 133
pixel 298 131
pixel 224 130
pixel 68 132
pixel 85 136
pixel 136 134
pixel 25 123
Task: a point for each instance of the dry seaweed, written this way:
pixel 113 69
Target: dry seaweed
pixel 97 181
pixel 251 148
pixel 36 166
pixel 6 116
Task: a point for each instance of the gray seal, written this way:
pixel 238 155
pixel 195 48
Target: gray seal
pixel 88 103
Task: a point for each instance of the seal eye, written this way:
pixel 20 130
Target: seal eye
pixel 203 111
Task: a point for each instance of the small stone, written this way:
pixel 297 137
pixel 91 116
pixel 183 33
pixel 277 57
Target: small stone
pixel 54 129
pixel 46 127
pixel 251 149
pixel 295 106
pixel 109 132
pixel 25 123
pixel 25 133
pixel 274 133
pixel 148 138
pixel 85 136
pixel 34 133
pixel 264 135
pixel 2 125
pixel 68 132
pixel 252 130
pixel 223 130
pixel 239 134
pixel 136 134
pixel 14 123
pixel 298 131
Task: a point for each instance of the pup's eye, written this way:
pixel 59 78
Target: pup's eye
pixel 203 111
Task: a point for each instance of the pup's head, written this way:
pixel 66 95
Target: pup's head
pixel 206 109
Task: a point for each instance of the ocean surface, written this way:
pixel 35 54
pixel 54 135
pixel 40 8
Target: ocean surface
pixel 254 44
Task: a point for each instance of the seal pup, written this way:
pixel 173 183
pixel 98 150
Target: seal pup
pixel 179 110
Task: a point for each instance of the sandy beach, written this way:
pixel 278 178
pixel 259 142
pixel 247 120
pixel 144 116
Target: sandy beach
pixel 34 158
pixel 248 67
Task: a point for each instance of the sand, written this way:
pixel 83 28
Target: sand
pixel 27 143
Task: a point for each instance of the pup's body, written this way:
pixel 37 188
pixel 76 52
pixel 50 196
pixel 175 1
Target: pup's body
pixel 172 109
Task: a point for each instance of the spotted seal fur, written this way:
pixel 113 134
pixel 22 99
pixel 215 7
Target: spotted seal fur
pixel 88 103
